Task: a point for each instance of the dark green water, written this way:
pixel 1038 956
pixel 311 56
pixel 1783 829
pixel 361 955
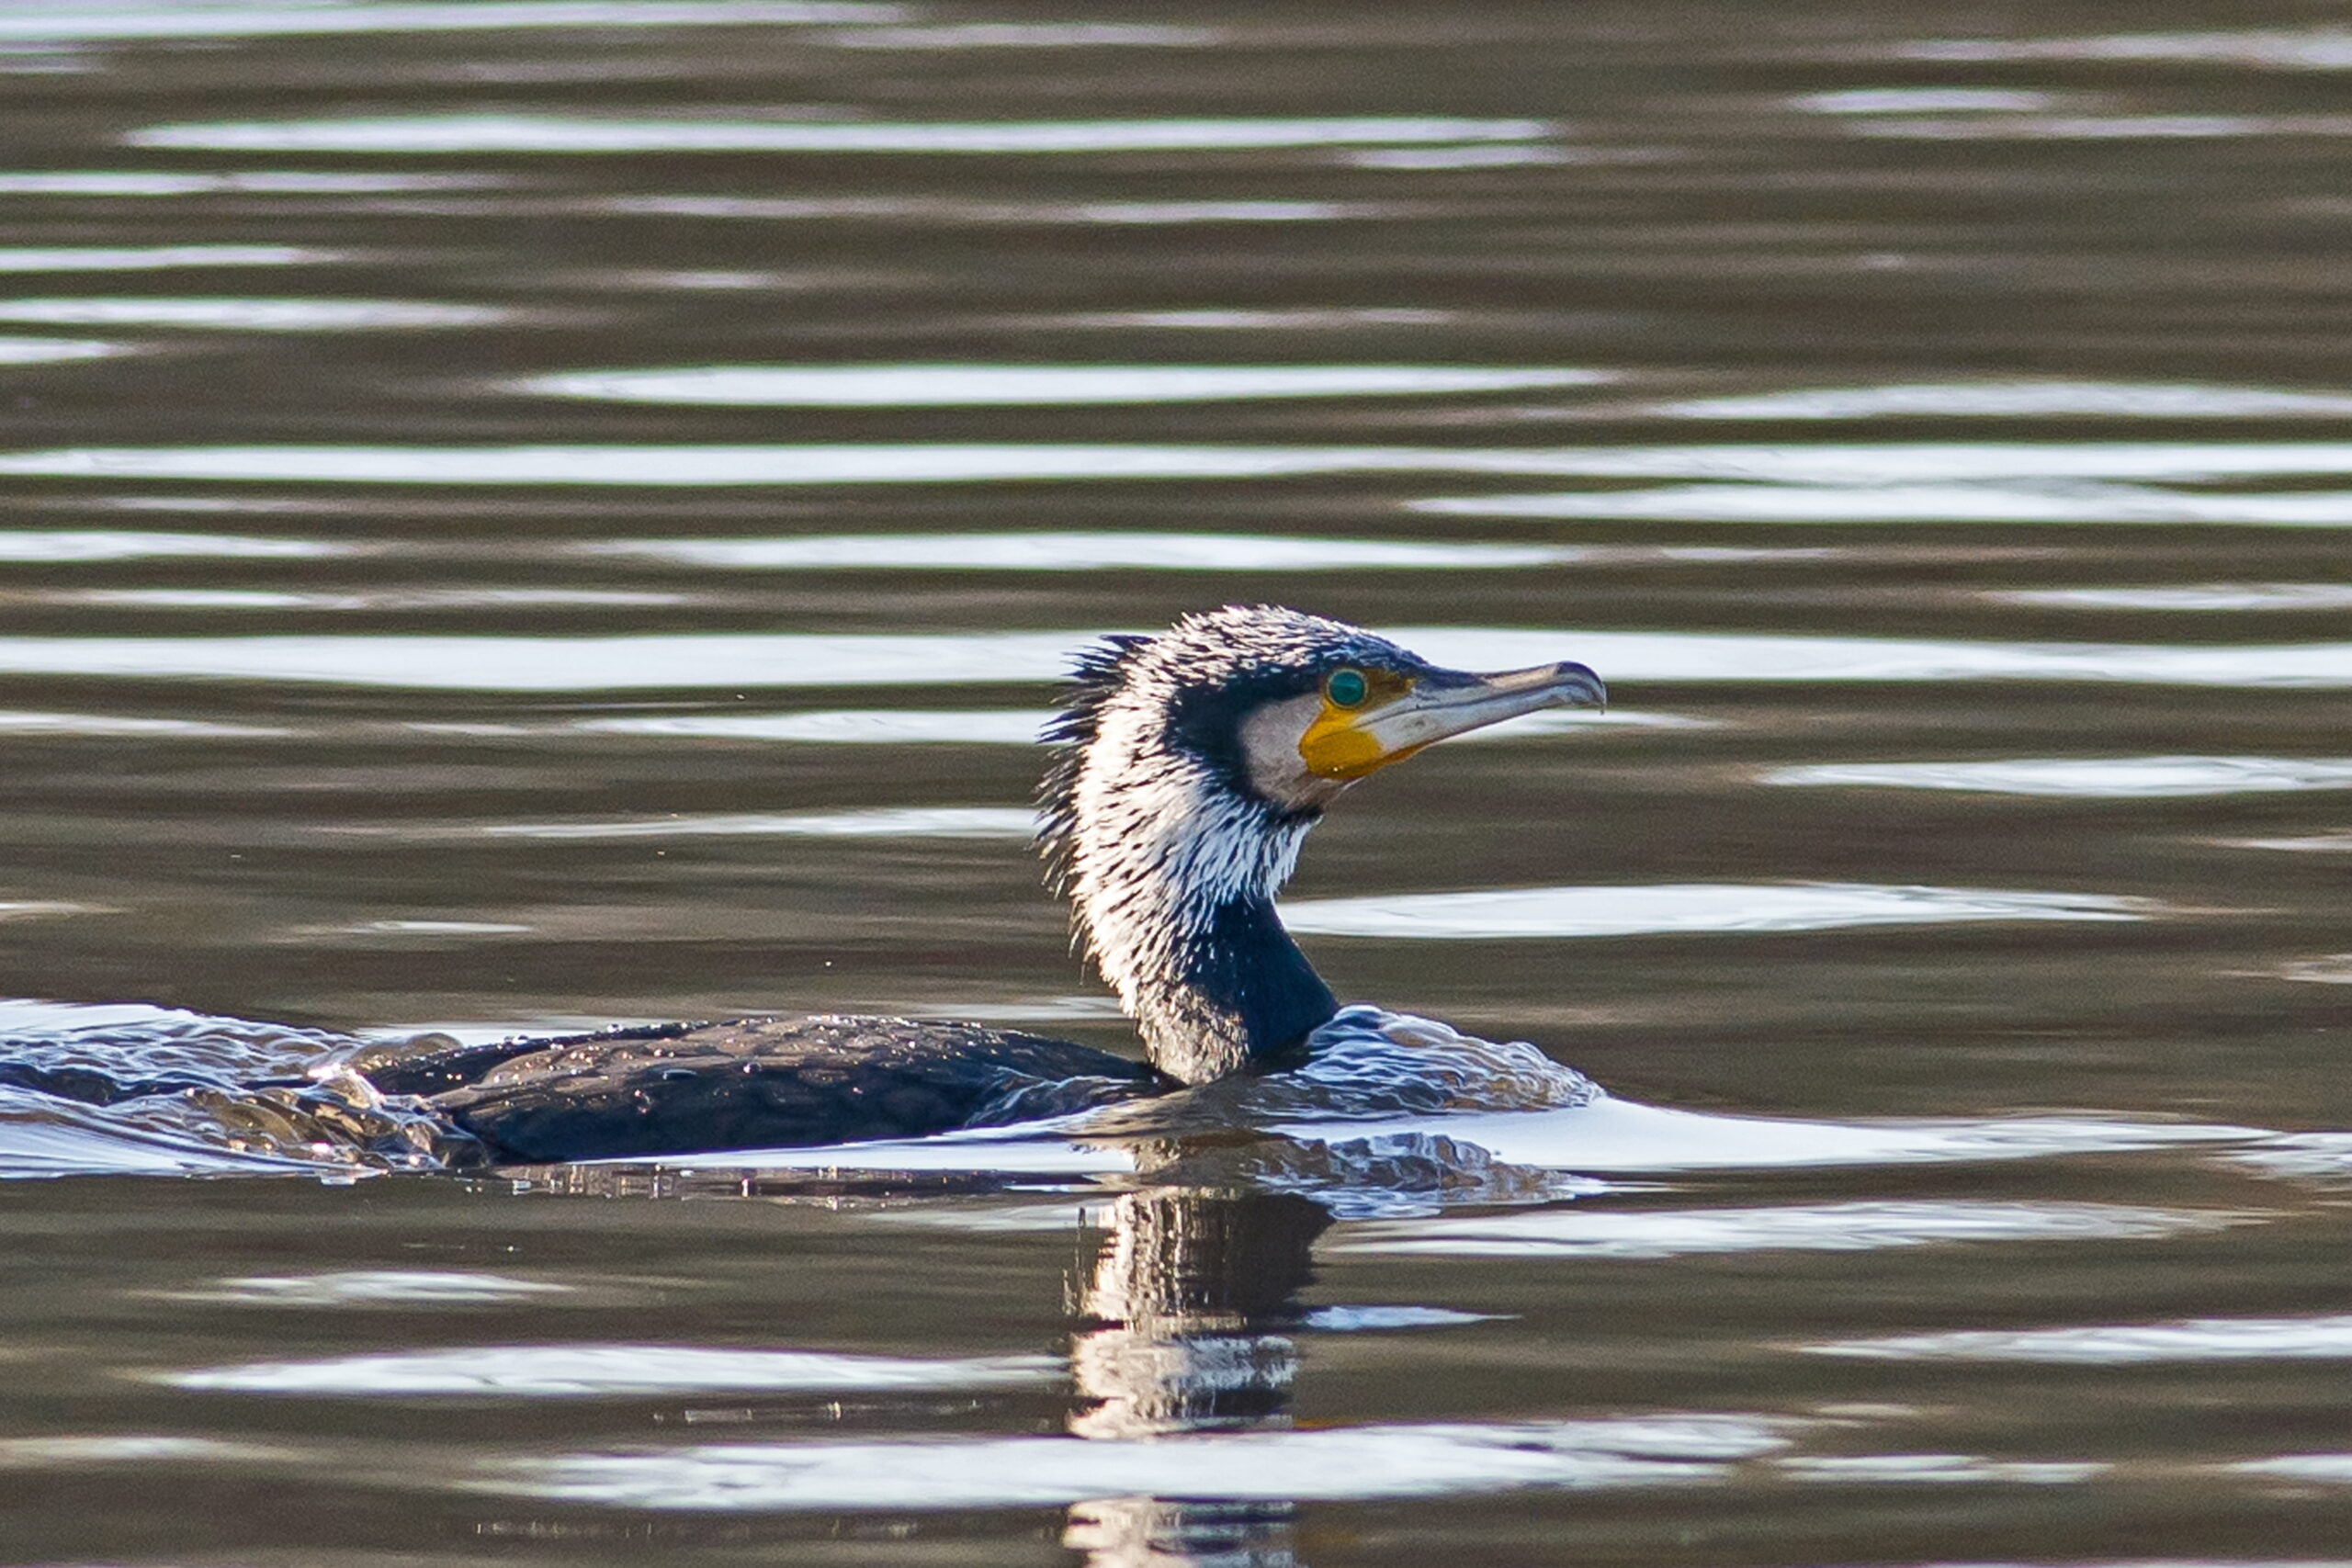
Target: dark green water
pixel 527 515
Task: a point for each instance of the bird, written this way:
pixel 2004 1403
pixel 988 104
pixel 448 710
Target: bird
pixel 1188 767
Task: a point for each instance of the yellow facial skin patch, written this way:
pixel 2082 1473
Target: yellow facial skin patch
pixel 1338 745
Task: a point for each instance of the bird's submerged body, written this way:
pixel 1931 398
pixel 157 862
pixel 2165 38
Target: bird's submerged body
pixel 1191 766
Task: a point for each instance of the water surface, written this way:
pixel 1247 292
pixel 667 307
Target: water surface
pixel 527 515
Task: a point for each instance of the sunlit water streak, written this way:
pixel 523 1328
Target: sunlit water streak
pixel 130 727
pixel 1400 1460
pixel 900 822
pixel 1084 552
pixel 155 258
pixel 935 212
pixel 1502 914
pixel 263 181
pixel 391 600
pixel 738 663
pixel 56 545
pixel 594 1371
pixel 2199 1340
pixel 445 134
pixel 2313 47
pixel 2218 596
pixel 1027 35
pixel 1828 1228
pixel 1980 500
pixel 55 350
pixel 338 17
pixel 985 386
pixel 400 1288
pixel 2018 399
pixel 2109 778
pixel 1823 467
pixel 248 315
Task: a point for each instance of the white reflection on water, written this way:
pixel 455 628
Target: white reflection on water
pixel 1336 318
pixel 371 1287
pixel 2197 1339
pixel 1027 35
pixel 1958 500
pixel 2199 597
pixel 2020 400
pixel 2334 1468
pixel 128 727
pixel 154 258
pixel 1400 1461
pixel 45 908
pixel 284 182
pixel 585 134
pixel 2118 778
pixel 395 599
pixel 1488 155
pixel 942 210
pixel 130 1447
pixel 979 386
pixel 247 315
pixel 1525 912
pixel 1939 1470
pixel 45 546
pixel 2317 843
pixel 2103 128
pixel 847 726
pixel 1822 1227
pixel 1927 100
pixel 1935 468
pixel 1085 552
pixel 54 350
pixel 209 18
pixel 564 1371
pixel 739 661
pixel 885 822
pixel 2317 48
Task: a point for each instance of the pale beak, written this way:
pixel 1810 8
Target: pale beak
pixel 1442 703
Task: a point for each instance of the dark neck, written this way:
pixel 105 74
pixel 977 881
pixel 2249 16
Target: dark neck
pixel 1239 991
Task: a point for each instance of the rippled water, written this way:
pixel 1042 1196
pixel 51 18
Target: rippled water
pixel 533 514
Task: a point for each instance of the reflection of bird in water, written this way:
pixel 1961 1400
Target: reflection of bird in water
pixel 1191 766
pixel 1186 1312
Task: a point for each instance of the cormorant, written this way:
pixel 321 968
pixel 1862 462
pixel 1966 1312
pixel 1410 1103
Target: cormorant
pixel 1190 766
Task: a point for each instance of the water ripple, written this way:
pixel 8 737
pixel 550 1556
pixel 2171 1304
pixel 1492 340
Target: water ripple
pixel 988 385
pixel 54 350
pixel 212 19
pixel 886 822
pixel 2197 1339
pixel 1525 912
pixel 1400 1460
pixel 1823 1227
pixel 584 134
pixel 247 315
pixel 574 1370
pixel 2118 778
pixel 154 258
pixel 372 1287
pixel 1084 552
pixel 741 661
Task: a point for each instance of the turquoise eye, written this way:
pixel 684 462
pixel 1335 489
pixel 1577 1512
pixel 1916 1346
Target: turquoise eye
pixel 1346 688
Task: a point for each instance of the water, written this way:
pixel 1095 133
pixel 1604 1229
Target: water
pixel 536 514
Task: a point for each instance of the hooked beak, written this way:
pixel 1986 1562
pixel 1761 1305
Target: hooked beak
pixel 1348 745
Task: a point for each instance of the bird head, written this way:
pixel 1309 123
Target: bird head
pixel 1192 763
